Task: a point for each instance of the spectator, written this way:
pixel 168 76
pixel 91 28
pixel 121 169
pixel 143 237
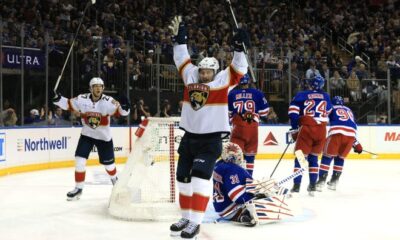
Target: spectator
pixel 272 118
pixel 9 117
pixel 140 111
pixel 353 84
pixel 33 117
pixel 312 71
pixel 336 84
pixel 57 118
pixel 165 109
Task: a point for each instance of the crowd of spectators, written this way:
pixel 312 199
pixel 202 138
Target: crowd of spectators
pixel 280 31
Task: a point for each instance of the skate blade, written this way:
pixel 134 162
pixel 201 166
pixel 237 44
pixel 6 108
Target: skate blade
pixel 311 194
pixel 193 238
pixel 333 188
pixel 76 198
pixel 175 234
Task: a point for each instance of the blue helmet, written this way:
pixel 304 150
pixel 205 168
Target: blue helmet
pixel 337 100
pixel 245 79
pixel 317 83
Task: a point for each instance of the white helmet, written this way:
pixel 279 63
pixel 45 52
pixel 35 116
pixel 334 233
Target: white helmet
pixel 209 63
pixel 231 152
pixel 95 81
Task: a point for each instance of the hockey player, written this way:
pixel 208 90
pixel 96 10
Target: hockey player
pixel 308 112
pixel 341 138
pixel 95 109
pixel 205 121
pixel 239 198
pixel 246 107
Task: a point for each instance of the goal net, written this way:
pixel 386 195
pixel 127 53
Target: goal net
pixel 145 189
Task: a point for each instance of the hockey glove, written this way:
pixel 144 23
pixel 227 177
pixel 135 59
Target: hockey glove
pixel 357 147
pixel 240 37
pixel 294 133
pixel 124 102
pixel 56 97
pixel 178 29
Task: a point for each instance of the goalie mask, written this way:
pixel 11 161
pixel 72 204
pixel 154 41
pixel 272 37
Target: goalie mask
pixel 231 152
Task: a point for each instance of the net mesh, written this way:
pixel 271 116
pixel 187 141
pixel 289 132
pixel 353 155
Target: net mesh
pixel 146 187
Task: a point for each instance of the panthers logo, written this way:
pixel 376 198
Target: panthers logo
pixel 198 95
pixel 93 119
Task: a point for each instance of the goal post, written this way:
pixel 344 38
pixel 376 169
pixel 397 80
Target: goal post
pixel 146 189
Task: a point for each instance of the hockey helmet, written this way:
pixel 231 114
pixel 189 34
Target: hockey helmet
pixel 245 79
pixel 209 63
pixel 337 100
pixel 231 152
pixel 317 83
pixel 95 81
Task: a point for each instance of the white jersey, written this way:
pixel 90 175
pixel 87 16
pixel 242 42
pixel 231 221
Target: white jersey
pixel 205 108
pixel 95 116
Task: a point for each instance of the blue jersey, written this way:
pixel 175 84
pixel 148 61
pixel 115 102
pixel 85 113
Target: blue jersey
pixel 229 187
pixel 312 104
pixel 342 121
pixel 241 101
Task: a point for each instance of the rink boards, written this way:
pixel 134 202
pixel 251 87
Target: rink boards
pixel 29 149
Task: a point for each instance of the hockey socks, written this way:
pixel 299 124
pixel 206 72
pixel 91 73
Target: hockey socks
pixel 201 195
pixel 325 164
pixel 338 165
pixel 185 199
pixel 249 163
pixel 313 168
pixel 297 180
pixel 80 172
pixel 112 172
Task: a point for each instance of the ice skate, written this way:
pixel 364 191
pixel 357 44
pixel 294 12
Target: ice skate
pixel 334 180
pixel 191 231
pixel 114 180
pixel 312 187
pixel 177 228
pixel 246 219
pixel 321 182
pixel 295 188
pixel 74 194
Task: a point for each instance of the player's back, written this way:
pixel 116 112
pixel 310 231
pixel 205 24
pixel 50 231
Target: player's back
pixel 312 106
pixel 229 186
pixel 342 121
pixel 243 101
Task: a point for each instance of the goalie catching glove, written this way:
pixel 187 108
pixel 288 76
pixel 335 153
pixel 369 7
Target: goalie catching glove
pixel 178 29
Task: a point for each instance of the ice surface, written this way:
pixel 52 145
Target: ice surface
pixel 365 206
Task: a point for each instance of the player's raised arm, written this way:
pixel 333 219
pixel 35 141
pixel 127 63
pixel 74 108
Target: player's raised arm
pixel 65 103
pixel 239 63
pixel 181 55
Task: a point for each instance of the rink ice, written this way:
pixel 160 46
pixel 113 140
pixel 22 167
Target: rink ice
pixel 365 206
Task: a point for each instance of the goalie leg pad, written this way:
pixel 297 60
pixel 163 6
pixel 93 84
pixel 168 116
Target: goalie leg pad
pixel 269 210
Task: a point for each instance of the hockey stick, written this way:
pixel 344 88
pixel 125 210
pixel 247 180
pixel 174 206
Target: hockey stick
pixel 72 45
pixel 370 152
pixel 280 159
pixel 244 46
